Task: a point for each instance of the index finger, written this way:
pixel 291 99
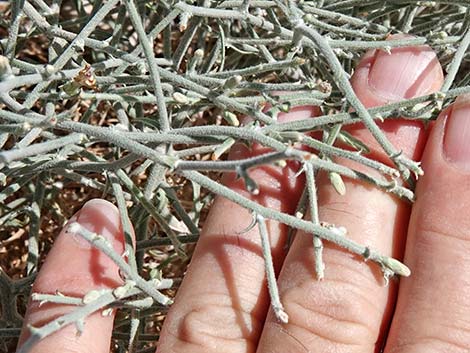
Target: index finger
pixel 74 268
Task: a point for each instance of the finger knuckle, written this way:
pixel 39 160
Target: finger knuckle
pixel 436 232
pixel 218 327
pixel 338 312
pixel 430 344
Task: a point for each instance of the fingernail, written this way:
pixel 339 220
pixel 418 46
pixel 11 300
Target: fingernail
pixel 98 216
pixel 457 134
pixel 404 72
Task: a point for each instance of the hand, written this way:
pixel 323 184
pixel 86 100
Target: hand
pixel 222 304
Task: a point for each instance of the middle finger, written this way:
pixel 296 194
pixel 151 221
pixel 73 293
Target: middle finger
pixel 222 303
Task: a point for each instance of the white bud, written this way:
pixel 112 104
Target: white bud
pixel 180 98
pixel 91 296
pixel 5 69
pixel 74 228
pixel 121 127
pixel 120 292
pixel 130 283
pixel 337 183
pixel 396 267
pixel 107 312
pixel 199 53
pixel 231 118
pixel 49 70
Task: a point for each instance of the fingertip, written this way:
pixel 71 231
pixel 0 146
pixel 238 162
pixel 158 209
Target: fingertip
pixel 382 77
pixel 102 217
pixel 74 267
pixel 72 256
pixel 98 203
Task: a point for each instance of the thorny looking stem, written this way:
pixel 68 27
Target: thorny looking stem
pixel 105 246
pixel 276 304
pixel 335 235
pixel 100 301
pixel 313 203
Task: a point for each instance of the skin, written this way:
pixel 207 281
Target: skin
pixel 223 303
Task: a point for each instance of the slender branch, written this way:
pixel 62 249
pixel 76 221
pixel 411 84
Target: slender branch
pixel 334 235
pixel 154 72
pixel 103 245
pixel 403 163
pixel 456 61
pixel 276 304
pixel 317 242
pixel 99 302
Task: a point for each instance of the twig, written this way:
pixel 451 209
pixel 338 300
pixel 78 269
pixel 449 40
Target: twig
pixel 276 304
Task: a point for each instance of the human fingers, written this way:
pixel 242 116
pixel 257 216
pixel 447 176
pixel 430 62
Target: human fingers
pixel 74 268
pixel 349 311
pixel 222 302
pixel 432 313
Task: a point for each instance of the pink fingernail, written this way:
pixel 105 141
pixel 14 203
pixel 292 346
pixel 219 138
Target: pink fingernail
pixel 404 73
pixel 457 134
pixel 98 216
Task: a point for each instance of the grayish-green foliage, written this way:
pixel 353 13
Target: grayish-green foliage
pixel 173 80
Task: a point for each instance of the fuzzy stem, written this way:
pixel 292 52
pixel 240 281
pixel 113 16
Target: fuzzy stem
pixel 276 304
pixel 334 235
pixel 103 244
pixel 154 72
pixel 313 202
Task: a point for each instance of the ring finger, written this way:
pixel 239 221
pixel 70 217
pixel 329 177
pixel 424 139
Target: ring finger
pixel 350 310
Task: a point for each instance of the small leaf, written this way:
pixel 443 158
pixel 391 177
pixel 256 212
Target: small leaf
pixel 354 142
pixel 396 266
pixel 224 147
pixel 337 183
pixel 231 118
